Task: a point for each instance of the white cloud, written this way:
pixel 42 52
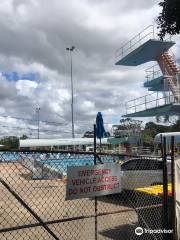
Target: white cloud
pixel 26 87
pixel 34 37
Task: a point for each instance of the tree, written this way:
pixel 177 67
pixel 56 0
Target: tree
pixel 23 137
pixel 169 19
pixel 127 126
pixel 11 142
pixel 88 134
pixel 176 126
pixel 147 139
pixel 150 131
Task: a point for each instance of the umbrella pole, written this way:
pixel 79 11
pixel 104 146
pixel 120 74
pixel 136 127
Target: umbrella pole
pixel 100 144
pixel 94 144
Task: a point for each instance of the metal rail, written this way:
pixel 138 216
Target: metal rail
pixel 148 104
pixel 9 229
pixel 153 72
pixel 135 41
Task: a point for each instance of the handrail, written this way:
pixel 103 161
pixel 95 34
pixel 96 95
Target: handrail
pixel 147 69
pixel 152 73
pixel 136 36
pixel 140 97
pixel 120 51
pixel 167 99
pixel 148 102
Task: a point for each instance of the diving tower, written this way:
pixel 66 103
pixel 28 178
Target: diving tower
pixel 127 132
pixel 163 78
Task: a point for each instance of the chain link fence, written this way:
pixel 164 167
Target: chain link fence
pixel 33 205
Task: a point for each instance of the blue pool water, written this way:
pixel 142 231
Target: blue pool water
pixel 4 156
pixel 58 161
pixel 62 164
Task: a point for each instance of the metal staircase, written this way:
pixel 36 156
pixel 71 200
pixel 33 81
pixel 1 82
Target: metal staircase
pixel 171 72
pixel 173 83
pixel 163 79
pixel 168 64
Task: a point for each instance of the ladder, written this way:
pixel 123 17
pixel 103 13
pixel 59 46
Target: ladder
pixel 173 84
pixel 171 72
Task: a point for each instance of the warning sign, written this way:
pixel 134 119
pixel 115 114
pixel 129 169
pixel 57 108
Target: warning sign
pixel 90 181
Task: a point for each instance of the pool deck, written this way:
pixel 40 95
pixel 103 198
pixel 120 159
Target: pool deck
pixel 47 199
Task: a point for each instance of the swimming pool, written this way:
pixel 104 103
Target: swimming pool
pixel 8 156
pixel 79 160
pixel 57 161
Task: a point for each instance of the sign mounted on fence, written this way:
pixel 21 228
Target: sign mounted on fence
pixel 91 181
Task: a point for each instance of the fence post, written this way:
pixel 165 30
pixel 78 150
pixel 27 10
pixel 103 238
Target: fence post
pixel 165 187
pixel 173 188
pixel 95 198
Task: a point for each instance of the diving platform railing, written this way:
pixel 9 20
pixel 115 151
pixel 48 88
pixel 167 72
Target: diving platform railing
pixel 153 72
pixel 149 101
pixel 136 41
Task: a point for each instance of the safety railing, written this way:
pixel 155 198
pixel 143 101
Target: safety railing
pixel 136 41
pixel 153 72
pixel 149 101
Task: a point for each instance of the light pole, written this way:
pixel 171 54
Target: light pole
pixel 72 91
pixel 38 110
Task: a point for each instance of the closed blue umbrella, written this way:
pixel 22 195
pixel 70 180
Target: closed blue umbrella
pixel 100 131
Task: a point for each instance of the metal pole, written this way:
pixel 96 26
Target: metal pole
pixel 38 122
pixel 165 186
pixel 72 99
pixel 173 187
pixel 72 91
pixel 38 110
pixel 153 32
pixel 95 198
pixel 95 144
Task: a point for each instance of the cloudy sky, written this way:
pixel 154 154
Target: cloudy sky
pixel 35 66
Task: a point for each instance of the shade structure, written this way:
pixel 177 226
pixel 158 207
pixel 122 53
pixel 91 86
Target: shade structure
pixel 25 143
pixel 100 130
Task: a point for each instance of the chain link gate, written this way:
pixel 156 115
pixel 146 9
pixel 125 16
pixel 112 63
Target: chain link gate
pixel 33 205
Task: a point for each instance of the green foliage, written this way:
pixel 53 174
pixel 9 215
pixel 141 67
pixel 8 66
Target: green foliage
pixel 169 19
pixel 11 142
pixel 176 127
pixel 88 134
pixel 147 139
pixel 151 129
pixel 23 137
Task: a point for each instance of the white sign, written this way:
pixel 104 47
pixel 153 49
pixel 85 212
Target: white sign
pixel 91 181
